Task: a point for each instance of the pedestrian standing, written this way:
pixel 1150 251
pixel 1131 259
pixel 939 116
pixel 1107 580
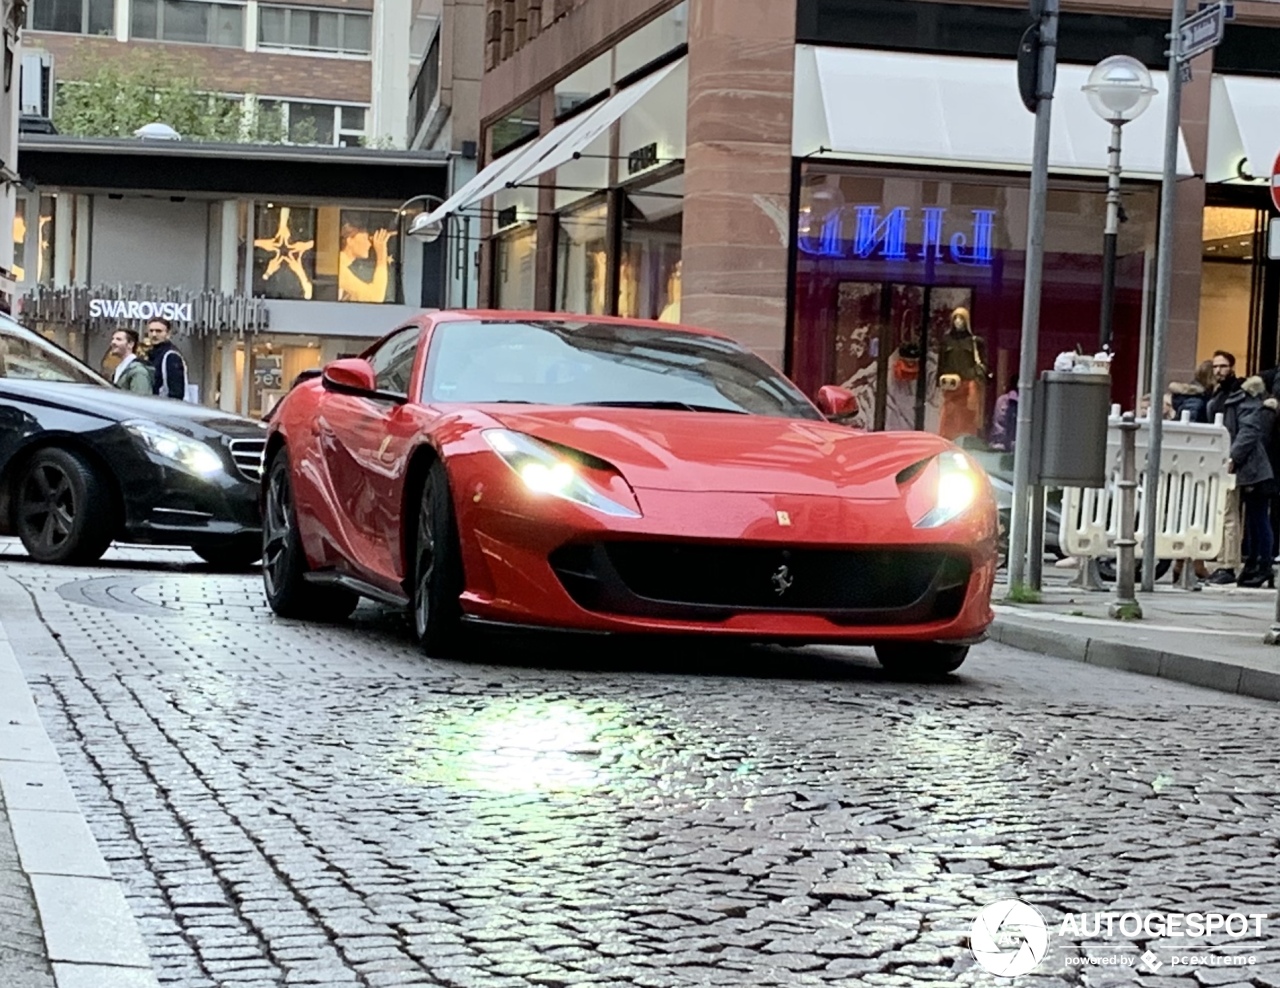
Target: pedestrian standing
pixel 1225 401
pixel 1255 418
pixel 131 373
pixel 167 365
pixel 1193 397
pixel 1004 420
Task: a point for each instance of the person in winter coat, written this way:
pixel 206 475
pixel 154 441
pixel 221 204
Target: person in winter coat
pixel 1250 415
pixel 167 365
pixel 131 374
pixel 1226 385
pixel 1193 397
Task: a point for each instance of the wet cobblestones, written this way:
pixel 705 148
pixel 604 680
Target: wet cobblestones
pixel 298 804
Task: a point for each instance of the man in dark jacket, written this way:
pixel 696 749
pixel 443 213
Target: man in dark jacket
pixel 1254 414
pixel 1227 385
pixel 169 377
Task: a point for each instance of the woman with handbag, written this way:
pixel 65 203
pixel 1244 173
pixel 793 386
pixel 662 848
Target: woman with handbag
pixel 962 375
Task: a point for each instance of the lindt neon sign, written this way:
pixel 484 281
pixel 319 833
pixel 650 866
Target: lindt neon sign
pixel 888 236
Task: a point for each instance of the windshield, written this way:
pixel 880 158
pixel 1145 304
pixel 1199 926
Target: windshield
pixel 24 355
pixel 586 363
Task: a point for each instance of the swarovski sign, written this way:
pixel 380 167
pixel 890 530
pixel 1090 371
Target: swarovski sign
pixel 119 308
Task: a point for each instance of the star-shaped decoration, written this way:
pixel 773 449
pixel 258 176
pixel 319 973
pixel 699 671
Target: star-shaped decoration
pixel 286 252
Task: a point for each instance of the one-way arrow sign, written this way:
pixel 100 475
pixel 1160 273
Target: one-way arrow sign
pixel 1202 32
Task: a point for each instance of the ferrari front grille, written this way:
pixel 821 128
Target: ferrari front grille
pixel 247 455
pixel 708 582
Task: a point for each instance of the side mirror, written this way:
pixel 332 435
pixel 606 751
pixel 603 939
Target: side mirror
pixel 836 402
pixel 354 376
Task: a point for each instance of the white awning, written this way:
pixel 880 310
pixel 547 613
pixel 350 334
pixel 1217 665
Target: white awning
pixel 555 148
pixel 1244 129
pixel 957 112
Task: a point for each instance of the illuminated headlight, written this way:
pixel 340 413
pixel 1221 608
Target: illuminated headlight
pixel 544 471
pixel 190 454
pixel 959 484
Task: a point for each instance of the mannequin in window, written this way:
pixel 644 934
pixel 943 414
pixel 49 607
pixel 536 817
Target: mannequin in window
pixel 357 245
pixel 671 311
pixel 903 387
pixel 962 375
pixel 599 282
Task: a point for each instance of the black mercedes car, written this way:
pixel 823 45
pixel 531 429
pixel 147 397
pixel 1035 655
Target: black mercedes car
pixel 84 464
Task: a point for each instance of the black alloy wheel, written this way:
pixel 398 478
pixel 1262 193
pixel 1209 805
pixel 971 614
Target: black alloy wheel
pixel 63 509
pixel 927 660
pixel 437 570
pixel 284 564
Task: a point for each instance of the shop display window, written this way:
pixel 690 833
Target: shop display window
pixel 582 261
pixel 330 253
pixel 514 269
pixel 909 288
pixel 649 268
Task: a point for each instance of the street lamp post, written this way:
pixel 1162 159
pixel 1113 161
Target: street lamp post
pixel 1119 90
pixel 429 233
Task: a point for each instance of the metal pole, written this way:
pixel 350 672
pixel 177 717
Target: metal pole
pixel 1164 296
pixel 1126 606
pixel 1035 565
pixel 1030 351
pixel 1109 238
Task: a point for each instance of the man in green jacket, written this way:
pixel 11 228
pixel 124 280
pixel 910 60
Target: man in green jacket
pixel 131 373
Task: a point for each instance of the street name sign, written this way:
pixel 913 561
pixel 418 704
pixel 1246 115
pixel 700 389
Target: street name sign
pixel 1202 32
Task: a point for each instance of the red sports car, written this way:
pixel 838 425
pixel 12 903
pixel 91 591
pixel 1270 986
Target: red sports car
pixel 610 475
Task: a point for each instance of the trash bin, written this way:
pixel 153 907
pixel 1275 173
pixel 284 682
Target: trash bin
pixel 1072 410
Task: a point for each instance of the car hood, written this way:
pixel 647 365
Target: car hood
pixel 114 405
pixel 704 452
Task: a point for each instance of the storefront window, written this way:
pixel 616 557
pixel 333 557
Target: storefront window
pixel 330 253
pixel 1231 241
pixel 518 125
pixel 649 270
pixel 645 46
pixel 515 254
pixel 909 291
pixel 582 261
pixel 586 84
pixel 44 259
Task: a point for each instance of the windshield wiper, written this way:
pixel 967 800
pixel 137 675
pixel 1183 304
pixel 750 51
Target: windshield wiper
pixel 675 406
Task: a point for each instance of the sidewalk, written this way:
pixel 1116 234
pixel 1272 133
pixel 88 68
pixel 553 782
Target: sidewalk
pixel 64 922
pixel 1210 638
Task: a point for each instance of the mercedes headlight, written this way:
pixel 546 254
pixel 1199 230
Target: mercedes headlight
pixel 190 454
pixel 959 483
pixel 545 470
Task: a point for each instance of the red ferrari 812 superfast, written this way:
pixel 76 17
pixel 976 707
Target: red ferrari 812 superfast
pixel 608 475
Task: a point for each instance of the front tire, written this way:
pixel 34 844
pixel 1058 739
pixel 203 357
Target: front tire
pixel 437 569
pixel 284 564
pixel 929 659
pixel 63 509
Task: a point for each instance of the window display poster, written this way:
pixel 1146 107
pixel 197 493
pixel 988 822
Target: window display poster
pixel 366 255
pixel 327 253
pixel 857 345
pixel 284 256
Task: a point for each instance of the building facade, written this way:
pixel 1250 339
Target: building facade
pixel 269 259
pixel 829 181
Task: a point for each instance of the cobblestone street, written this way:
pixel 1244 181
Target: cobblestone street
pixel 321 805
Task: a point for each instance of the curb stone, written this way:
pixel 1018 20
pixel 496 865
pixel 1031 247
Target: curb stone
pixel 1190 669
pixel 90 934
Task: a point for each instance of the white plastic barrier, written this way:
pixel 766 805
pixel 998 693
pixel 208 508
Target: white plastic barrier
pixel 1191 508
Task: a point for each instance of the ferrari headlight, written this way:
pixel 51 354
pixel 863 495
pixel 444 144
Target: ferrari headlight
pixel 545 471
pixel 190 454
pixel 959 484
